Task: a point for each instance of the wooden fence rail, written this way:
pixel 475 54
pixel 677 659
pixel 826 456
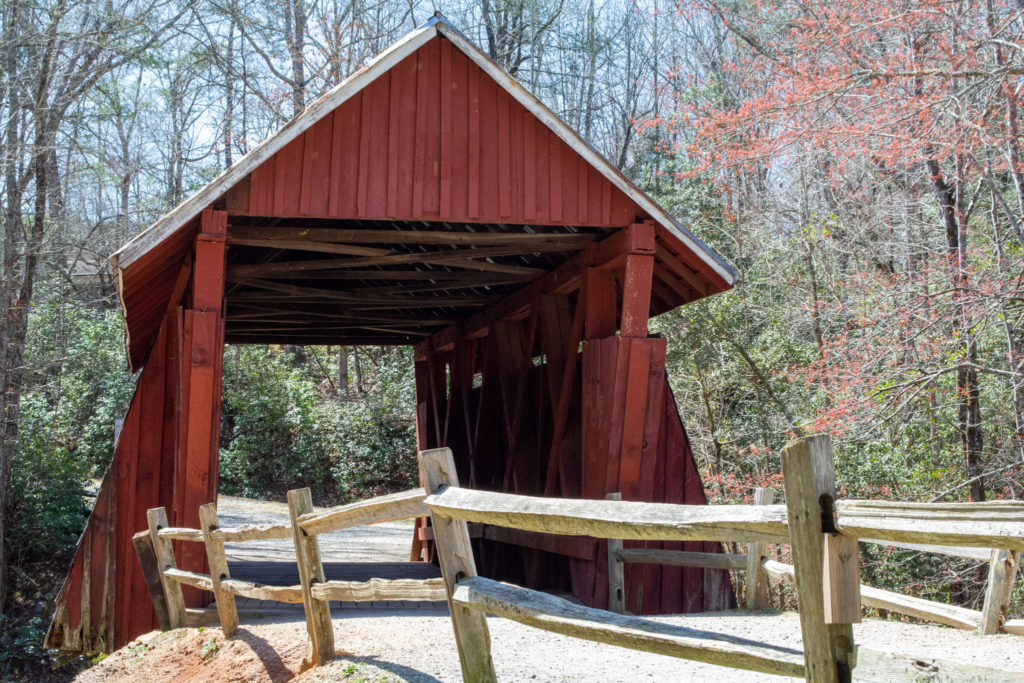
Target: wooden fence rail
pixel 164 579
pixel 824 534
pixel 990 620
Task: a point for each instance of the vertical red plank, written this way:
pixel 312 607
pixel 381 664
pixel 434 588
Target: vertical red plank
pixel 152 388
pixel 570 186
pixel 345 157
pixel 473 204
pixel 378 93
pixel 126 468
pixel 395 105
pixel 606 201
pixel 542 173
pixel 600 302
pixel 489 163
pixel 261 188
pixel 407 152
pixel 672 478
pixel 595 201
pixel 636 294
pixel 432 98
pixel 634 418
pixel 365 142
pixel 288 178
pixel 422 98
pixel 529 169
pixel 502 104
pixel 582 191
pixel 555 170
pixel 517 147
pixel 316 169
pixel 459 208
pixel 623 210
pixel 172 327
pixel 445 89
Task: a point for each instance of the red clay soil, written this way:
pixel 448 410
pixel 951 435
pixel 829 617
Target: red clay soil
pixel 191 655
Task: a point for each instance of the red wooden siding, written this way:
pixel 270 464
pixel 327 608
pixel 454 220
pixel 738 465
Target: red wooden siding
pixel 166 456
pixel 434 138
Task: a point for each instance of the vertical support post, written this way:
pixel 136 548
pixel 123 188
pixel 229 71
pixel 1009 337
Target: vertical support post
pixel 616 570
pixel 311 570
pixel 437 469
pixel 202 356
pixel 821 568
pixel 757 579
pixel 151 572
pixel 1002 571
pixel 218 570
pixel 157 519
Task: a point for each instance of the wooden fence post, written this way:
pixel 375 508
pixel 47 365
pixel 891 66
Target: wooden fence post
pixel 451 541
pixel 157 519
pixel 825 565
pixel 616 571
pixel 311 570
pixel 757 579
pixel 226 611
pixel 1002 572
pixel 151 572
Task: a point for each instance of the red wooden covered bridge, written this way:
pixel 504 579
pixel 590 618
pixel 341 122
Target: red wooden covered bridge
pixel 428 200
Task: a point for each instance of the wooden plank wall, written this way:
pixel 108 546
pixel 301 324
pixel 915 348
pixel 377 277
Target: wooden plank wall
pixel 434 138
pixel 497 402
pixel 166 456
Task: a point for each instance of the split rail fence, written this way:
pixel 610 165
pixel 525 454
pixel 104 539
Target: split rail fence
pixel 164 580
pixel 823 533
pixel 758 568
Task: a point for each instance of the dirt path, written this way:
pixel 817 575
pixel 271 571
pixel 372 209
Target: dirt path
pixel 417 645
pixel 389 542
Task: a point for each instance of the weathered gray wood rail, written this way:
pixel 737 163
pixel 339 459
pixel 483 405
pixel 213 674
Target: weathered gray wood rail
pixel 822 531
pixel 990 620
pixel 164 579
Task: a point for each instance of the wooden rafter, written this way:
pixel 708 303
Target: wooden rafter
pixel 465 258
pixel 402 276
pixel 284 238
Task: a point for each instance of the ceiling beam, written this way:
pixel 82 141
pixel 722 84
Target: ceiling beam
pixel 272 236
pixel 463 258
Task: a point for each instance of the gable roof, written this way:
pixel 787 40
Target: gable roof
pixel 162 246
pixel 188 210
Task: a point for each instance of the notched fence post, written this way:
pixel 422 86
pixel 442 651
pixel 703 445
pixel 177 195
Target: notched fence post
pixel 756 578
pixel 825 565
pixel 451 539
pixel 226 611
pixel 311 571
pixel 157 519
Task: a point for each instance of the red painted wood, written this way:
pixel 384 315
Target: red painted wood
pixel 600 303
pixel 366 149
pixel 316 169
pixel 636 294
pixel 344 157
pixel 446 82
pixel 555 168
pixel 473 76
pixel 288 178
pixel 375 175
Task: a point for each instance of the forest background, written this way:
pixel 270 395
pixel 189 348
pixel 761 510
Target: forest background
pixel 859 163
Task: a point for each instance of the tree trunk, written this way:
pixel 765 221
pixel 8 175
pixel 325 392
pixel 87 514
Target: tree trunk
pixel 967 388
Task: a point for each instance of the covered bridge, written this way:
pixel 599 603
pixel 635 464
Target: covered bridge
pixel 428 200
